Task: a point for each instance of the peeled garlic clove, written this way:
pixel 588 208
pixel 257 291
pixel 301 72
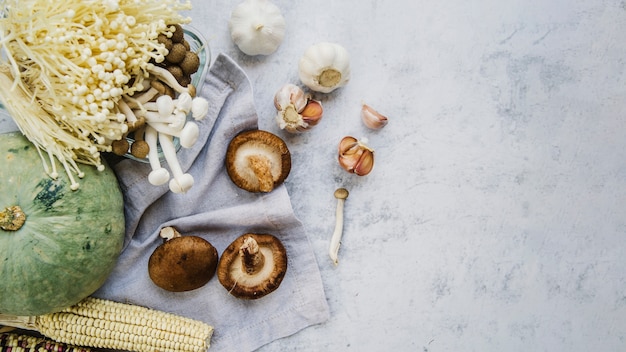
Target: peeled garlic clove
pixel 372 118
pixel 355 156
pixel 296 111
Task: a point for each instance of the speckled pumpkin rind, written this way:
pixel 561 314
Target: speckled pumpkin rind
pixel 257 142
pixel 70 240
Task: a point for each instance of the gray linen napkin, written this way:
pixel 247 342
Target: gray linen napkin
pixel 218 211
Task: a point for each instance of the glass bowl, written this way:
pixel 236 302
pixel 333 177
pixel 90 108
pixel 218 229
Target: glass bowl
pixel 199 45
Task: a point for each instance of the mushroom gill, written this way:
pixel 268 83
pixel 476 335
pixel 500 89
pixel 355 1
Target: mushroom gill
pixel 252 266
pixel 257 161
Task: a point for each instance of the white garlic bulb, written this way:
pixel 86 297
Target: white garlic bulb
pixel 325 67
pixel 257 27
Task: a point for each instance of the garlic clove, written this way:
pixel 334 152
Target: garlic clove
pixel 312 112
pixel 355 156
pixel 372 118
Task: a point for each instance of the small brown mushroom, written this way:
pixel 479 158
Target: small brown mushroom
pixel 178 35
pixel 182 263
pixel 120 146
pixel 176 54
pixel 258 161
pixel 190 63
pixel 253 266
pixel 167 42
pixel 139 148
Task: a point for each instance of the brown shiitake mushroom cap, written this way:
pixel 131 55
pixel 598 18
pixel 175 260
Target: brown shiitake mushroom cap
pixel 258 161
pixel 258 276
pixel 183 263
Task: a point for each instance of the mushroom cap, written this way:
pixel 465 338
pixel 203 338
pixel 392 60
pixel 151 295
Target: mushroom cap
pixel 183 263
pixel 251 151
pixel 233 276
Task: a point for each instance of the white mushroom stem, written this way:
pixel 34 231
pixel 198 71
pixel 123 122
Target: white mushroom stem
pixel 126 110
pixel 181 182
pixel 175 121
pixel 145 95
pixel 188 135
pixel 252 258
pixel 335 242
pixel 159 175
pixel 167 233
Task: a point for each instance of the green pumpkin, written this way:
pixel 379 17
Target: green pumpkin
pixel 70 240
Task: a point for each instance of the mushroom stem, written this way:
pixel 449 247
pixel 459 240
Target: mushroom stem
pixel 262 168
pixel 181 182
pixel 252 258
pixel 341 194
pixel 175 121
pixel 159 175
pixel 167 233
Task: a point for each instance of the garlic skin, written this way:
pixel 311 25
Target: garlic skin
pixel 372 118
pixel 257 27
pixel 297 112
pixel 324 67
pixel 355 156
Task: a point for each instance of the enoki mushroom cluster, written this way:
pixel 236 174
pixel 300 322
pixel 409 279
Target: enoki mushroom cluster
pixel 67 65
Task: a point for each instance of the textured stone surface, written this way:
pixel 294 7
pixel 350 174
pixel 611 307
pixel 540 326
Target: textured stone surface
pixel 494 218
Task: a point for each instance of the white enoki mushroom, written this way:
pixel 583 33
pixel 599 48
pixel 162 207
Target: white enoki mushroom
pixel 341 194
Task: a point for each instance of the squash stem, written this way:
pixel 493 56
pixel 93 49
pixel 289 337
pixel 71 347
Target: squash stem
pixel 12 218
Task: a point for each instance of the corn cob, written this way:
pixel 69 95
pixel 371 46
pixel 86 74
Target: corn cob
pixel 100 323
pixel 14 342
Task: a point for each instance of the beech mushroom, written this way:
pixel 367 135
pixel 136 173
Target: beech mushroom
pixel 252 266
pixel 182 263
pixel 159 175
pixel 139 148
pixel 341 194
pixel 257 161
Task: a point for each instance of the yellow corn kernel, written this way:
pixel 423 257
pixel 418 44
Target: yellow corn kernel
pixel 106 324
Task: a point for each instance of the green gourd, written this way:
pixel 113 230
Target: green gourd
pixel 69 241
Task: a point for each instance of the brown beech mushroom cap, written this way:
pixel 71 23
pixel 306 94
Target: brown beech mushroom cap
pixel 176 53
pixel 252 266
pixel 182 263
pixel 190 63
pixel 258 161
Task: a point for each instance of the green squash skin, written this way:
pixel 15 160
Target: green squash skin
pixel 70 241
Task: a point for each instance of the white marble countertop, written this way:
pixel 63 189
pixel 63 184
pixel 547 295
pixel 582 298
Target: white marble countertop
pixel 494 219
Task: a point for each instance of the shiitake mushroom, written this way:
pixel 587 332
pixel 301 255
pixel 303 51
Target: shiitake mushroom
pixel 257 160
pixel 182 263
pixel 253 266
